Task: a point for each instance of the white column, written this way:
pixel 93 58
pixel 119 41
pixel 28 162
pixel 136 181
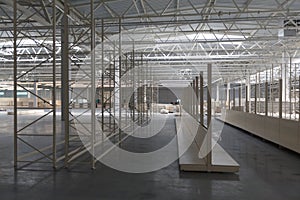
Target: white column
pixel 35 91
pixel 248 84
pixel 218 93
pixel 227 95
pixel 285 82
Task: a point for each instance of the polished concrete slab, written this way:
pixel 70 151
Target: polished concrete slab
pixel 266 172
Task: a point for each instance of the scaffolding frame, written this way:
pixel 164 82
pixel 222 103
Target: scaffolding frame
pixel 47 54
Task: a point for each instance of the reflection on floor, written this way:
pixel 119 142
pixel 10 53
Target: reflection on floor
pixel 266 172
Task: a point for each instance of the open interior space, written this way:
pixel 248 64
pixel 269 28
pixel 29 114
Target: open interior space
pixel 149 99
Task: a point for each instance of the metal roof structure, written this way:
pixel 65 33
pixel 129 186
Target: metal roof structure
pixel 239 37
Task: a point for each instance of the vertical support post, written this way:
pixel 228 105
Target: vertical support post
pixel 197 97
pixel 126 86
pixel 133 85
pixel 65 79
pixel 280 98
pixel 294 92
pixel 209 83
pixel 229 99
pixel 249 93
pixel 15 86
pixel 299 98
pixel 271 89
pixel 201 99
pixel 112 93
pixel 218 93
pixel 266 99
pixel 93 85
pixel 148 92
pixel 152 94
pixel 35 91
pixel 110 100
pixel 193 98
pixel 120 80
pixel 102 79
pixel 290 88
pixel 217 102
pixel 54 80
pixel 240 98
pixel 285 87
pixel 209 116
pixel 233 91
pixel 142 75
pixel 190 100
pixel 64 60
pixel 247 97
pixel 139 95
pixel 228 95
pixel 255 98
pixel 259 94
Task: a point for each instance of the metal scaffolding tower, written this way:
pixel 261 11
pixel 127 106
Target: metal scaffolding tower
pixel 35 48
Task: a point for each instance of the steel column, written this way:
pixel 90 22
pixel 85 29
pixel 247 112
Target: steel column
pixel 93 85
pixel 247 101
pixel 15 86
pixel 280 98
pixel 201 99
pixel 266 99
pixel 197 97
pixel 65 79
pixel 54 23
pixel 209 115
pixel 240 98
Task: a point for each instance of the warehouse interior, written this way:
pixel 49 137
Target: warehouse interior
pixel 150 99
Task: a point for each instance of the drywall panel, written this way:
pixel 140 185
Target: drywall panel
pixel 280 131
pixel 289 134
pixel 234 118
pixel 256 124
pixel 272 129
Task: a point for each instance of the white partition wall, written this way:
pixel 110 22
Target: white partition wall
pixel 283 132
pixel 273 96
pixel 197 141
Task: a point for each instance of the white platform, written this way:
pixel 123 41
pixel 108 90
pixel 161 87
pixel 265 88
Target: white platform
pixel 189 160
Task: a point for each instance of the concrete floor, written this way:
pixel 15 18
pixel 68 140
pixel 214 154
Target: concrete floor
pixel 266 172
